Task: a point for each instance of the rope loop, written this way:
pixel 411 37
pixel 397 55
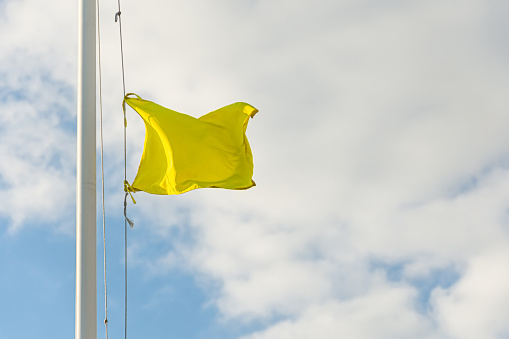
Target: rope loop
pixel 129 221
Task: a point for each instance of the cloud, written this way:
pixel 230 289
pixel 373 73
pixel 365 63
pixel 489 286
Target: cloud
pixel 380 156
pixel 37 74
pixel 380 139
pixel 477 305
pixel 384 311
pixel 37 151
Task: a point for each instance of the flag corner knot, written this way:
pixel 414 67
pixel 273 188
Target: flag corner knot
pixel 128 188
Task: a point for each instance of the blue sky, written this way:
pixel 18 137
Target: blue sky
pixel 381 162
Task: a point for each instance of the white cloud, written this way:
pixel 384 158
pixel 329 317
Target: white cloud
pixel 37 73
pixel 477 305
pixel 451 229
pixel 384 311
pixel 381 139
pixel 38 154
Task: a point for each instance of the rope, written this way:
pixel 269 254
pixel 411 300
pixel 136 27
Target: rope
pixel 126 220
pixel 102 170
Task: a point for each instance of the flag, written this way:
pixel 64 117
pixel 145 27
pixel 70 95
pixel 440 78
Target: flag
pixel 182 153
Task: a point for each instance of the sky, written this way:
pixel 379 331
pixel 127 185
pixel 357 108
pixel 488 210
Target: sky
pixel 381 158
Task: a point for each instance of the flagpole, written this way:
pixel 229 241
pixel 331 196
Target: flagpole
pixel 86 288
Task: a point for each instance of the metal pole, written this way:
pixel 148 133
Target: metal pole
pixel 86 285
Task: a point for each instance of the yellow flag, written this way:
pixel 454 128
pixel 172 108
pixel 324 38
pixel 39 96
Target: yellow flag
pixel 183 153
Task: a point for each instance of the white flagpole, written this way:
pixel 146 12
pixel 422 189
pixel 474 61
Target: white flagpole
pixel 86 289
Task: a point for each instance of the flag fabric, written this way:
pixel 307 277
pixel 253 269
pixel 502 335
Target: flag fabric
pixel 182 153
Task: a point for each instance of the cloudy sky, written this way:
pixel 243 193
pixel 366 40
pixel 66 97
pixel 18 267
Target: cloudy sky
pixel 381 160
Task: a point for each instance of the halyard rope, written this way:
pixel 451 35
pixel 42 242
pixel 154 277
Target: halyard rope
pixel 127 221
pixel 118 18
pixel 102 170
